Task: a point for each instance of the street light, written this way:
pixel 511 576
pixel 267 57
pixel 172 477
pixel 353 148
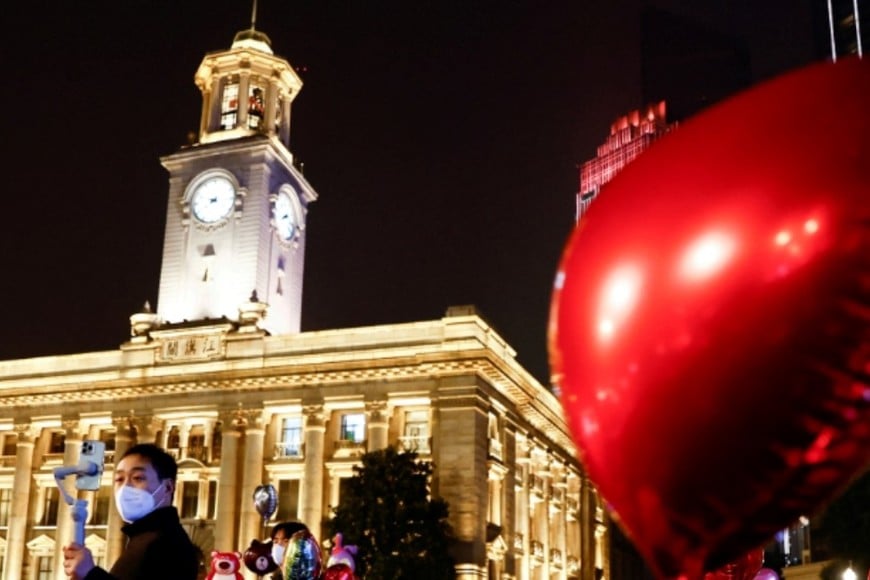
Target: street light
pixel 849 574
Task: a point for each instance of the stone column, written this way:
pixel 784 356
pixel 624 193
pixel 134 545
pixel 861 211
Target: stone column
pixel 244 88
pixel 183 440
pixel 21 484
pixel 311 510
pixel 228 488
pixel 114 535
pixel 71 449
pixel 377 422
pixel 208 436
pixel 250 521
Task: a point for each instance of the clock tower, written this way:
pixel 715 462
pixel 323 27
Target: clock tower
pixel 235 222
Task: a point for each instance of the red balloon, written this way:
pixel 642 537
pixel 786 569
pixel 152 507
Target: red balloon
pixel 709 328
pixel 743 568
pixel 339 572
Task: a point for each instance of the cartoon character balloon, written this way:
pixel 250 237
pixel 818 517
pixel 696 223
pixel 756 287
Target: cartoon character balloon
pixel 303 559
pixel 709 329
pixel 258 558
pixel 265 500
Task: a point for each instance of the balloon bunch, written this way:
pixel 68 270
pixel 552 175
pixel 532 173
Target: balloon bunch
pixel 709 327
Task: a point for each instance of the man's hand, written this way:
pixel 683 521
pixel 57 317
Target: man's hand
pixel 77 561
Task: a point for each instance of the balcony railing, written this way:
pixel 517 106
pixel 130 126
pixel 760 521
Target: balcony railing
pixel 415 443
pixel 348 448
pixel 198 453
pixel 288 451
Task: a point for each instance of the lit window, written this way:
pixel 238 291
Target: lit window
pixel 189 498
pixel 256 106
pixel 229 105
pixel 416 436
pixel 353 427
pixel 291 437
pixel 45 568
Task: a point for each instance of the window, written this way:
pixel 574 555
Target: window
pixel 49 512
pixel 189 498
pixel 212 500
pixel 173 440
pixel 5 506
pixel 196 443
pixel 416 435
pixel 107 436
pixel 10 444
pixel 55 445
pixel 288 500
pixel 216 443
pixel 230 105
pixel 45 568
pixel 353 427
pixel 291 437
pixel 256 106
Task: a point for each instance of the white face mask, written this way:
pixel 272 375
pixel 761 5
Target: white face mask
pixel 134 503
pixel 277 553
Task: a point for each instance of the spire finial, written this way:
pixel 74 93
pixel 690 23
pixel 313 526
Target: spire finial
pixel 254 16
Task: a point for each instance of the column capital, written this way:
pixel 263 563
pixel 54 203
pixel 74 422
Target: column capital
pixel 231 420
pixel 315 416
pixel 72 426
pixel 123 423
pixel 252 418
pixel 376 412
pixel 143 424
pixel 25 431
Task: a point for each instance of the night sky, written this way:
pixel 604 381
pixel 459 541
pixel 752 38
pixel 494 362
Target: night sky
pixel 442 137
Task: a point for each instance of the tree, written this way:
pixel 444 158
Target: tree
pixel 387 512
pixel 845 529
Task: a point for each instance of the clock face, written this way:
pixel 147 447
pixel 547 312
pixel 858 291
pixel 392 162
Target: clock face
pixel 285 217
pixel 213 200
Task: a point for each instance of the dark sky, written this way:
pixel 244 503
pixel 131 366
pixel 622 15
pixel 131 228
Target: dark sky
pixel 443 139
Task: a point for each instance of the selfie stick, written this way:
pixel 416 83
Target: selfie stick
pixel 79 506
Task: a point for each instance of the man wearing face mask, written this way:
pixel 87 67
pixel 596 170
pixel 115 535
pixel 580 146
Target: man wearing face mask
pixel 281 534
pixel 157 545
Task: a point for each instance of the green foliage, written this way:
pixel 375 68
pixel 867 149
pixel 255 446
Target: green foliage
pixel 386 512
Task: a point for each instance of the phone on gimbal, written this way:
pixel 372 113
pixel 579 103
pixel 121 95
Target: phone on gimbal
pixel 93 454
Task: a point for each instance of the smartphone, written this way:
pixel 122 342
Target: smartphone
pixel 93 453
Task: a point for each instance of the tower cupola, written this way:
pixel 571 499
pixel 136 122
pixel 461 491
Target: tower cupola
pixel 246 90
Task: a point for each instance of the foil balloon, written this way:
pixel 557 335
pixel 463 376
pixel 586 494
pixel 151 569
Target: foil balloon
pixel 339 572
pixel 766 574
pixel 265 500
pixel 302 559
pixel 258 558
pixel 744 568
pixel 710 324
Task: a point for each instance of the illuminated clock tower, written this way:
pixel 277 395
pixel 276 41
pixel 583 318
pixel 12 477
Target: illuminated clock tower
pixel 235 222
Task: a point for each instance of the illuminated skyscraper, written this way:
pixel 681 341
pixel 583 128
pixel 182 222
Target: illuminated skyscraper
pixel 630 135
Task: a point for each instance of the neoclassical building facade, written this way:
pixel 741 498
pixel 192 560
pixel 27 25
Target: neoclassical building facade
pixel 221 376
pixel 239 408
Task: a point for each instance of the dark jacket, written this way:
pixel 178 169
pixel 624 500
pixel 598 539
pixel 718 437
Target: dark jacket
pixel 157 547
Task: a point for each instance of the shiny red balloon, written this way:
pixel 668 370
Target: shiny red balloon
pixel 339 572
pixel 710 326
pixel 744 568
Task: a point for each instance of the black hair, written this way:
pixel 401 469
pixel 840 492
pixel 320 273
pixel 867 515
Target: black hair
pixel 162 462
pixel 289 528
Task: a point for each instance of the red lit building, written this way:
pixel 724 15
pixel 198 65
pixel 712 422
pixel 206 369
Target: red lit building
pixel 630 135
